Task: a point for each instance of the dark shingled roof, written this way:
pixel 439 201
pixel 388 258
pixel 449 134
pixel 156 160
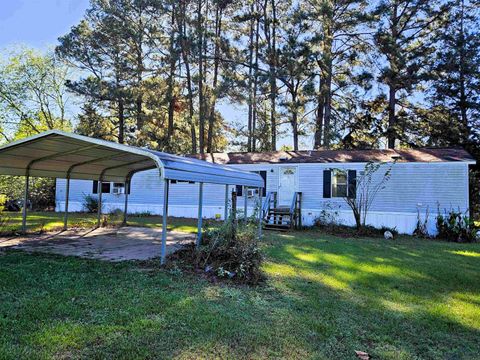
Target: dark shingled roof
pixel 338 156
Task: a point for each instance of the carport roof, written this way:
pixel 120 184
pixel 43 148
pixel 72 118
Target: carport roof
pixel 58 154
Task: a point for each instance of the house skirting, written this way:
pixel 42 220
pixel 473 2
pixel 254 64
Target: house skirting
pixel 405 223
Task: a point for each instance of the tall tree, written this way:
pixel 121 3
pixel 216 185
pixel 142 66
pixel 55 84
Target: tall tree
pixel 33 96
pixel 404 38
pixel 456 71
pixel 339 45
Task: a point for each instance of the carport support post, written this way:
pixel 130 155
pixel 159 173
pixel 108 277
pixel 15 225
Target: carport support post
pixel 225 216
pixel 125 210
pixel 260 214
pixel 164 222
pixel 67 195
pixel 25 200
pixel 245 202
pixel 99 202
pixel 200 215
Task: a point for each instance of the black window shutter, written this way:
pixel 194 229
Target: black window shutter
pixel 327 183
pixel 263 174
pixel 352 184
pixel 95 187
pixel 239 190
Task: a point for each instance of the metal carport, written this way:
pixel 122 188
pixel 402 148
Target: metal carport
pixel 58 154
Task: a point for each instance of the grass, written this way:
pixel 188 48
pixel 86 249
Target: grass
pixel 324 297
pixel 51 221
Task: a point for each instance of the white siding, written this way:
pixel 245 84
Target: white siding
pixel 413 187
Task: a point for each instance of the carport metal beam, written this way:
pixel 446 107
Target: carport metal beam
pixel 25 200
pixel 200 214
pixel 260 190
pixel 225 216
pixel 125 209
pixel 163 254
pixel 245 203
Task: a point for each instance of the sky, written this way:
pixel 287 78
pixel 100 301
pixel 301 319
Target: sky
pixel 39 23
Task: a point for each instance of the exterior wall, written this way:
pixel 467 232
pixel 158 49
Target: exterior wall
pixel 412 188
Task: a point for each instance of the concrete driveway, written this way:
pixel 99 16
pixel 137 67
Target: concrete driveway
pixel 111 244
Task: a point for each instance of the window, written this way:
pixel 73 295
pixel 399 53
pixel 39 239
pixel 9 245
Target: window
pixel 263 174
pixel 339 183
pixel 105 187
pixel 118 188
pixel 181 182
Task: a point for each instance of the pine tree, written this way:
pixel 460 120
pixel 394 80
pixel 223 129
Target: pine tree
pixel 404 39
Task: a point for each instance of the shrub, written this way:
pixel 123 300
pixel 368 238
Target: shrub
pixel 232 251
pixel 421 229
pixel 456 226
pixel 3 200
pixel 90 203
pixel 3 218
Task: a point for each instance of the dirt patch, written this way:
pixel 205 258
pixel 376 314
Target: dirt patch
pixel 126 243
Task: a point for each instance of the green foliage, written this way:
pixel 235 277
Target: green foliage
pixel 32 94
pixel 3 200
pixel 90 203
pixel 41 191
pixel 421 228
pixel 456 226
pixel 232 250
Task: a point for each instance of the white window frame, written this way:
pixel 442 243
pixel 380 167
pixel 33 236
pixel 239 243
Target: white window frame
pixel 332 176
pixel 114 185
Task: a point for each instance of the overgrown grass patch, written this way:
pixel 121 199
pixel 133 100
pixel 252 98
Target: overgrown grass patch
pixel 324 297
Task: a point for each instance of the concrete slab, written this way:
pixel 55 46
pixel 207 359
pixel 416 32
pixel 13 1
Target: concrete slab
pixel 110 244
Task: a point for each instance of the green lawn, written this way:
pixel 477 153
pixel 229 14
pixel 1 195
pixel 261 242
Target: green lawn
pixel 324 297
pixel 50 221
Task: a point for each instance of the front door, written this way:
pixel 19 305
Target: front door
pixel 287 185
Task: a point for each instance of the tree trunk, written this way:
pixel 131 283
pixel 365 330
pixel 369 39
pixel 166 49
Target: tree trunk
pixel 273 78
pixel 250 79
pixel 392 91
pixel 201 99
pixel 319 116
pixel 327 91
pixel 181 23
pixel 391 116
pixel 271 41
pixel 218 34
pixel 255 85
pixel 294 122
pixel 171 81
pixel 462 69
pixel 121 121
pixel 327 136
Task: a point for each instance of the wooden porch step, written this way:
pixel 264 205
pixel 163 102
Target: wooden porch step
pixel 278 227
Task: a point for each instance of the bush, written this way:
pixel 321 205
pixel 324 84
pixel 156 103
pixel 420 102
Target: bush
pixel 456 226
pixel 41 194
pixel 3 218
pixel 90 203
pixel 3 200
pixel 421 229
pixel 231 251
